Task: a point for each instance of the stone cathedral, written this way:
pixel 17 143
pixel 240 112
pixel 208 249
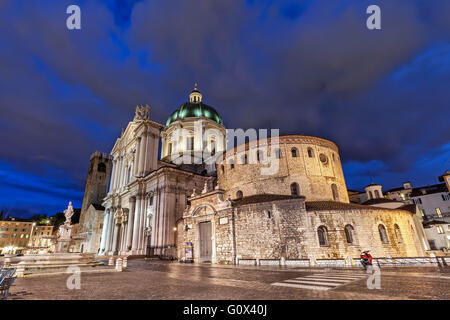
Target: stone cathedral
pixel 206 202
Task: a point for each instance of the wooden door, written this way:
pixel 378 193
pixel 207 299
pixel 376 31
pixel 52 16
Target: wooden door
pixel 205 242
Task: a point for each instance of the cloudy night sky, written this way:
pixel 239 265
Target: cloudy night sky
pixel 308 67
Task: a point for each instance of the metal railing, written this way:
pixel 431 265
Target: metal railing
pixel 7 278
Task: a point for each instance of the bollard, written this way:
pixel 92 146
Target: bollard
pixel 282 261
pixel 349 262
pixel 111 261
pixel 119 265
pixel 124 263
pixel 20 271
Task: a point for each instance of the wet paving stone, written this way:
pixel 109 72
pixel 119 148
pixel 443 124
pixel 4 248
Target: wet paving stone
pixel 164 280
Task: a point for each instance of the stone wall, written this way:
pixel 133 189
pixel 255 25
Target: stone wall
pixel 288 229
pixel 314 177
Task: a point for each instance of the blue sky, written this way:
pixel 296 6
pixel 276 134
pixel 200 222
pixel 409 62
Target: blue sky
pixel 308 67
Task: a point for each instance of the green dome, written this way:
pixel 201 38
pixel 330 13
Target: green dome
pixel 194 109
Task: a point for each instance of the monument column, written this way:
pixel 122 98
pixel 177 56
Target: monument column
pixel 130 224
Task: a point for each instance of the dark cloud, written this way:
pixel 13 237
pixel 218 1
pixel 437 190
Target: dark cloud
pixel 302 66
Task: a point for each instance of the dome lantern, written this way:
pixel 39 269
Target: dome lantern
pixel 195 96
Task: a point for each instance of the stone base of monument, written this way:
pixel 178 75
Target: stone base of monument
pixel 51 262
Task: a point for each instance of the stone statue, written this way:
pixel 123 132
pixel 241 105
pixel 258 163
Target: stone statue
pixel 68 213
pixel 142 113
pixel 65 231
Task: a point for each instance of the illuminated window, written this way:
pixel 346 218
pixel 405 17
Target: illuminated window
pixel 440 230
pixel 439 213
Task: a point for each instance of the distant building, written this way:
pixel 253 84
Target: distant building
pixel 40 241
pixel 434 205
pixel 372 191
pixel 15 235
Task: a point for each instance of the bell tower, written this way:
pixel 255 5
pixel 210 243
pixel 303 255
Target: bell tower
pixel 97 180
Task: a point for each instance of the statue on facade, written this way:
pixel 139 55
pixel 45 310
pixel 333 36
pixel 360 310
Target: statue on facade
pixel 142 113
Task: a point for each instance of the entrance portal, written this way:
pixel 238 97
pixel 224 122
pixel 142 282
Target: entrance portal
pixel 205 241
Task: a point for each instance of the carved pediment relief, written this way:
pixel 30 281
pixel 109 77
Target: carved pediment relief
pixel 203 209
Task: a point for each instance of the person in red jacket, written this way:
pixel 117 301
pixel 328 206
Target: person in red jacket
pixel 366 259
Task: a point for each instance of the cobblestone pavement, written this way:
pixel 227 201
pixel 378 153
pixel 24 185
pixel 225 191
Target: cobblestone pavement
pixel 165 280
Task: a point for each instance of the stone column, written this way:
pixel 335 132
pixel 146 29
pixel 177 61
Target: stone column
pixel 110 230
pixel 141 225
pixel 155 138
pixel 149 154
pixel 113 172
pixel 123 237
pixel 116 238
pixel 120 173
pixel 143 151
pixel 161 217
pixel 135 244
pixel 130 223
pixel 137 156
pixel 104 233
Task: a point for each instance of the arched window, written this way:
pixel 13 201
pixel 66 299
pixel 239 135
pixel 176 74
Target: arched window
pixel 101 167
pixel 349 233
pixel 310 153
pixel 269 214
pixel 398 233
pixel 377 194
pixel 294 152
pixel 295 189
pixel 223 168
pixel 370 195
pixel 383 234
pixel 239 194
pixel 334 189
pixel 322 233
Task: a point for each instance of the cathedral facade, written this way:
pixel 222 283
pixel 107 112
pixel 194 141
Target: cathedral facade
pixel 204 201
